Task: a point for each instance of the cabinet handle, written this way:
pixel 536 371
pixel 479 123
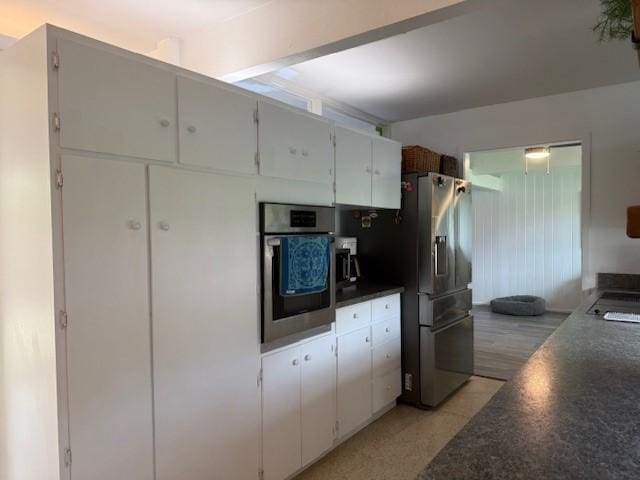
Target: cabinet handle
pixel 164 122
pixel 376 172
pixel 293 150
pixel 386 306
pixel 367 169
pixel 295 361
pixel 388 387
pixel 134 225
pixel 388 355
pixel 366 339
pixel 355 315
pixel 307 357
pixel 305 153
pixel 164 226
pixel 386 329
pixel 192 129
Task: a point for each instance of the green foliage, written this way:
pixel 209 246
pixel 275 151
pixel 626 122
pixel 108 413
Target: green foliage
pixel 615 21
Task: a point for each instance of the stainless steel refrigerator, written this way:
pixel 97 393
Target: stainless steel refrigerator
pixel 426 247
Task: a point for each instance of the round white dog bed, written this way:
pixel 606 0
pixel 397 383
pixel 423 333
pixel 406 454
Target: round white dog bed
pixel 519 305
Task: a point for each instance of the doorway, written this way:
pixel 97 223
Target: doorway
pixel 526 241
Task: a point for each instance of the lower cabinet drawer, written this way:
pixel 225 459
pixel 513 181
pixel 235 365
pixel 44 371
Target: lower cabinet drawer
pixel 386 357
pixel 386 330
pixel 386 388
pixel 353 317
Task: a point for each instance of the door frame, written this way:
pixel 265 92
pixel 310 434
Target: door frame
pixel 587 277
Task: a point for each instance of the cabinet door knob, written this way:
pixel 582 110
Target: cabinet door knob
pixel 164 122
pixel 367 169
pixel 388 355
pixel 192 129
pixel 355 315
pixel 376 172
pixel 386 306
pixel 293 150
pixel 295 361
pixel 366 339
pixel 164 226
pixel 386 329
pixel 305 153
pixel 134 225
pixel 307 357
pixel 388 387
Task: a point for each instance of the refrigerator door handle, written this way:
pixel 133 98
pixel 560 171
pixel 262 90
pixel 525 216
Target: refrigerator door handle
pixel 441 264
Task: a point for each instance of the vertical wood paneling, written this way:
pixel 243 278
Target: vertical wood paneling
pixel 527 238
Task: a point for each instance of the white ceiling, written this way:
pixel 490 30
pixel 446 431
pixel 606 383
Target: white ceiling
pixel 508 50
pixel 135 24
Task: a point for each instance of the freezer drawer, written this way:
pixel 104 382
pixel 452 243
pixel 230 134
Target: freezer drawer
pixel 446 360
pixel 437 312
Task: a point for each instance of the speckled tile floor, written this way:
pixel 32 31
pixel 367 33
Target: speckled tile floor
pixel 402 442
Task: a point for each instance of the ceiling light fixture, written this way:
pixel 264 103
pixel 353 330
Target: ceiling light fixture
pixel 535 153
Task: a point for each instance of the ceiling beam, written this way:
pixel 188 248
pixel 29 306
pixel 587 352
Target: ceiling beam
pixel 6 41
pixel 287 32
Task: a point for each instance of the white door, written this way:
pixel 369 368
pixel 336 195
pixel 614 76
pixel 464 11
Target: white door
pixel 205 325
pixel 217 127
pixel 353 167
pixel 107 303
pixel 112 104
pixel 294 145
pixel 281 446
pixel 318 397
pixel 387 159
pixel 354 379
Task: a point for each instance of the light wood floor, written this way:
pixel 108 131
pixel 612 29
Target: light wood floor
pixel 402 442
pixel 503 343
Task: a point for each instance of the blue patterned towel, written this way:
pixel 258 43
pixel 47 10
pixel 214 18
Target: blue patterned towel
pixel 304 264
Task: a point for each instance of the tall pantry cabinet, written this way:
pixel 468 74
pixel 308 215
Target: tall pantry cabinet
pixel 147 236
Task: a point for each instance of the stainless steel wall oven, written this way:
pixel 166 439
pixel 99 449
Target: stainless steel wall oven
pixel 298 279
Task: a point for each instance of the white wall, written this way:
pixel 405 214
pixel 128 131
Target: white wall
pixel 527 238
pixel 605 119
pixel 28 398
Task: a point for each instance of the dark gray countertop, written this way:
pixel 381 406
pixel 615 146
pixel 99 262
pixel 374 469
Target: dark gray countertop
pixel 364 291
pixel 572 412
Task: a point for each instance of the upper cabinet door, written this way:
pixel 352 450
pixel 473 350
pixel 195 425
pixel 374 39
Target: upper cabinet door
pixel 294 145
pixel 353 167
pixel 387 159
pixel 217 127
pixel 111 104
pixel 205 325
pixel 107 301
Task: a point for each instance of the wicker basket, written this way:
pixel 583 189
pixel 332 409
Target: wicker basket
pixel 416 159
pixel 449 166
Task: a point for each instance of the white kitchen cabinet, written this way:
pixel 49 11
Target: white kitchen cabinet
pixel 205 336
pixel 108 332
pixel 281 414
pixel 385 185
pixel 294 144
pixel 386 388
pixel 298 405
pixel 216 127
pixel 353 317
pixel 318 390
pixel 353 167
pixel 113 104
pixel 354 380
